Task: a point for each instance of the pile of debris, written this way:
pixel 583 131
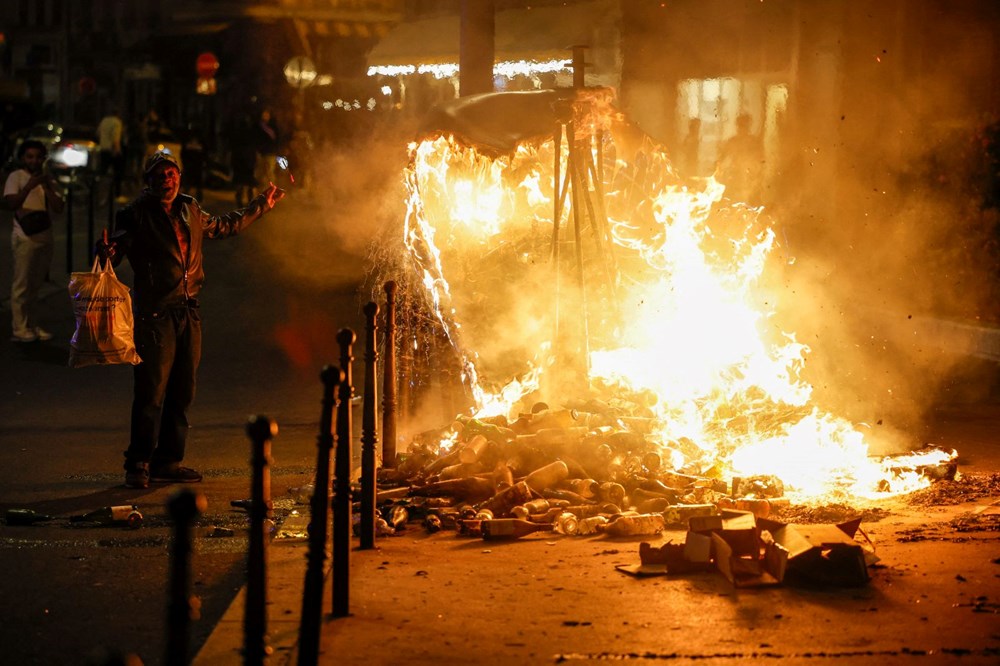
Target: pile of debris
pixel 753 552
pixel 586 469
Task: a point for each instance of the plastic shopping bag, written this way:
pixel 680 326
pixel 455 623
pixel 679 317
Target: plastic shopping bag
pixel 103 310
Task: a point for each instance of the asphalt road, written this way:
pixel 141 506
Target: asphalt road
pixel 274 300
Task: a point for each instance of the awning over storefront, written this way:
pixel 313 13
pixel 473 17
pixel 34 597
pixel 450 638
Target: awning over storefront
pixel 537 34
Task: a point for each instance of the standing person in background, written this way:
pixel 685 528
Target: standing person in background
pixel 31 194
pixel 691 149
pixel 741 163
pixel 243 158
pixel 267 148
pixel 110 139
pixel 162 233
pixel 193 158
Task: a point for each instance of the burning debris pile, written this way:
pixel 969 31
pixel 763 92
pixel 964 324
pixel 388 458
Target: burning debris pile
pixel 557 253
pixel 581 472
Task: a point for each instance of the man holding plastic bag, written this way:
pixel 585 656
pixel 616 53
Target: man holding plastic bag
pixel 161 233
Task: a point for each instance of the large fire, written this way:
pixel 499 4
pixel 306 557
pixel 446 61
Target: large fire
pixel 648 291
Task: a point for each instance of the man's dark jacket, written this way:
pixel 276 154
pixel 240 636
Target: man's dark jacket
pixel 145 234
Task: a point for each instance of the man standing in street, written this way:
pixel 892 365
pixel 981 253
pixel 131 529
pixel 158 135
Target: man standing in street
pixel 161 233
pixel 31 194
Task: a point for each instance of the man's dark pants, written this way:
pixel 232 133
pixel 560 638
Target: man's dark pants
pixel 169 344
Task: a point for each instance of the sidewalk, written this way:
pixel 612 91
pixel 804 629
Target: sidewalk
pixel 444 599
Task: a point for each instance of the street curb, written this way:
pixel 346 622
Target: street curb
pixel 286 570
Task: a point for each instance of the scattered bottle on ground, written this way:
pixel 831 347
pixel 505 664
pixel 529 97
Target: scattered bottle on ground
pixel 25 517
pixel 567 524
pixel 591 525
pixel 123 514
pixel 640 524
pixel 432 523
pixel 511 528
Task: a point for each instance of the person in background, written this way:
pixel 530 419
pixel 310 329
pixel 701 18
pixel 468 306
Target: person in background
pixel 243 158
pixel 31 193
pixel 110 139
pixel 741 164
pixel 266 134
pixel 691 149
pixel 161 232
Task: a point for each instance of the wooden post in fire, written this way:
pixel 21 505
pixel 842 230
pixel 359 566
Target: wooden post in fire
pixel 389 379
pixel 255 648
pixel 319 517
pixel 342 529
pixel 582 351
pixel 369 431
pixel 405 370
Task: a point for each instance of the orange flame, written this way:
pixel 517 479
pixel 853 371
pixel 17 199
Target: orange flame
pixel 681 316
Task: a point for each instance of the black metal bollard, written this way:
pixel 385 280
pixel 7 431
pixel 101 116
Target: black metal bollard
pixel 389 379
pixel 342 529
pixel 312 596
pixel 184 506
pixel 369 430
pixel 261 430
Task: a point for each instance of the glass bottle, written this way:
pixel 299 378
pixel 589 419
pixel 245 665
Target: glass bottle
pixel 552 436
pixel 552 418
pixel 383 528
pixel 501 503
pixel 566 523
pixel 398 518
pixel 564 495
pixel 25 517
pixel 432 523
pixel 473 449
pixel 470 488
pixel 591 525
pixel 470 528
pixel 490 431
pixel 502 529
pixel 588 510
pixel 547 476
pixel 680 514
pixel 123 514
pixel 586 488
pixel 640 524
pixel 537 506
pixel 612 492
pixel 520 511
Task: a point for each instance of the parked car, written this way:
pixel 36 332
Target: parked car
pixel 72 151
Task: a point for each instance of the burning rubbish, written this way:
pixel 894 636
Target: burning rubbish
pixel 633 318
pixel 647 379
pixel 542 472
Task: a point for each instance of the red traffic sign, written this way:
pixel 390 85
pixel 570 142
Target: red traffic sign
pixel 206 65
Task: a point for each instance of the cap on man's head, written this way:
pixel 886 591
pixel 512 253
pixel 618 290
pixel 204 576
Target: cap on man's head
pixel 158 158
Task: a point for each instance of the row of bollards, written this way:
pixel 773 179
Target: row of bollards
pixel 334 441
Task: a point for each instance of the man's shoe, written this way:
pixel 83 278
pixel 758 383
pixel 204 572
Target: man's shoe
pixel 42 334
pixel 137 477
pixel 175 474
pixel 24 336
